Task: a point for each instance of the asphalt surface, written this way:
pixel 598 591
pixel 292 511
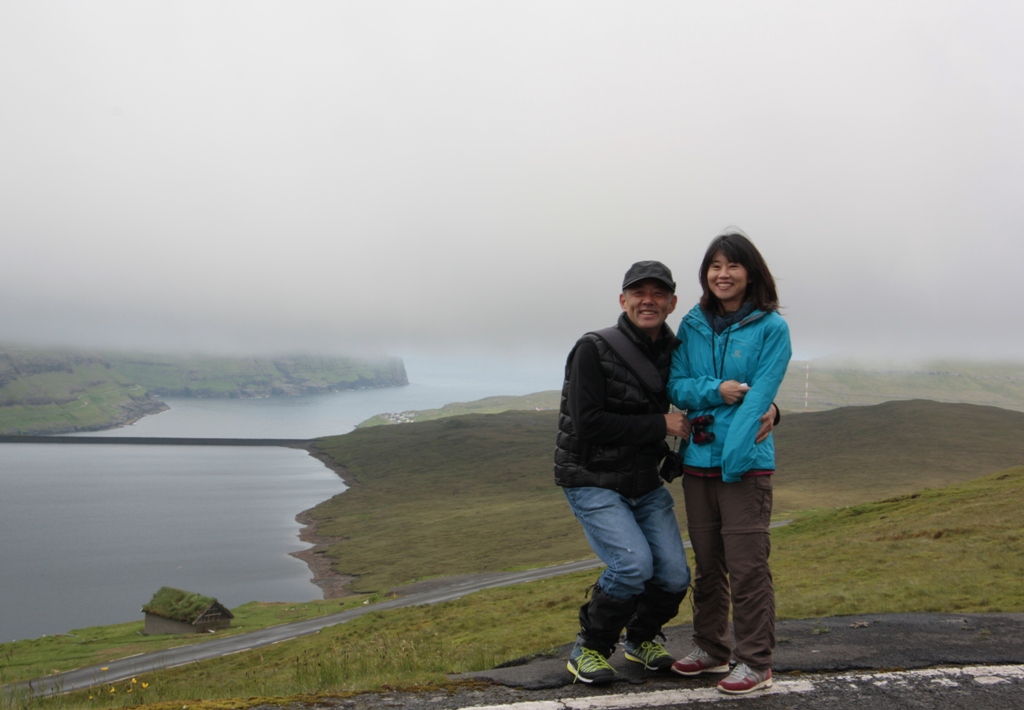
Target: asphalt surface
pixel 974 687
pixel 869 662
pixel 880 642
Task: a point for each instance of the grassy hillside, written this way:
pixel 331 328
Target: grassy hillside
pixel 953 549
pixel 463 494
pixel 50 391
pixel 476 493
pixel 53 391
pixel 957 549
pixel 857 454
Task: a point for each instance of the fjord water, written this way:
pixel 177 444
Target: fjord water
pixel 91 532
pixel 88 533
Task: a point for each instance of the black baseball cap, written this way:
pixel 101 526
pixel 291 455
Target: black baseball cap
pixel 642 270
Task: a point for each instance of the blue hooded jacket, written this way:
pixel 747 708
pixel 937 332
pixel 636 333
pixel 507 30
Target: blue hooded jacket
pixel 756 351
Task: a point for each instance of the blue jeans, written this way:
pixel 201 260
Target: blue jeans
pixel 637 538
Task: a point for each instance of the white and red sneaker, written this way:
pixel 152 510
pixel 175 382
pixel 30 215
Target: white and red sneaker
pixel 745 679
pixel 700 661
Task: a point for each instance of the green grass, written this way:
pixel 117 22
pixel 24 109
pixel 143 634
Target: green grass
pixel 476 493
pixel 178 604
pixel 44 393
pixel 462 494
pixel 857 454
pixel 34 658
pixel 954 549
pixel 958 549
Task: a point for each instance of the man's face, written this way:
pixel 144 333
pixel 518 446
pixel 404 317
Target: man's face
pixel 647 304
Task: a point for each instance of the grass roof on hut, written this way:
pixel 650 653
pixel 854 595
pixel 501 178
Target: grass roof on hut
pixel 178 604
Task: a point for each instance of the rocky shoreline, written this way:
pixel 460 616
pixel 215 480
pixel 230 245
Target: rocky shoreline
pixel 333 584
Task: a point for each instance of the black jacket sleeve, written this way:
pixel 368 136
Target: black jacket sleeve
pixel 587 407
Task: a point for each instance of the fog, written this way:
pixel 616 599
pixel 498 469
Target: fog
pixel 476 176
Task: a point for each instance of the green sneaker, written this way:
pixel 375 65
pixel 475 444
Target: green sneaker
pixel 651 654
pixel 589 666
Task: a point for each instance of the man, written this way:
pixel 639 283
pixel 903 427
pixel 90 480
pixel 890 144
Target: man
pixel 610 445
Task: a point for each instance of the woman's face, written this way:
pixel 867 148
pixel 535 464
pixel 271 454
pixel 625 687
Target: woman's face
pixel 727 280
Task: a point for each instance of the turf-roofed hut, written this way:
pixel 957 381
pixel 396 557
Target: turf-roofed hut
pixel 175 611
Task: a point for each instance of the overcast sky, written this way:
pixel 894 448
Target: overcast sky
pixel 425 176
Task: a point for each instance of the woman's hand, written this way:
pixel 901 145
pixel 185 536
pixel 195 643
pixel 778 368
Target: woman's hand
pixel 732 391
pixel 767 423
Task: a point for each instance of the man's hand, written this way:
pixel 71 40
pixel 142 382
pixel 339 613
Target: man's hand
pixel 732 391
pixel 676 424
pixel 767 424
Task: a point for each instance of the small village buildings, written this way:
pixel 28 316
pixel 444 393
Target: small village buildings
pixel 175 611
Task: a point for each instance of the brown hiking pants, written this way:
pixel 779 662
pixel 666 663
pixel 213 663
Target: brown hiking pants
pixel 728 526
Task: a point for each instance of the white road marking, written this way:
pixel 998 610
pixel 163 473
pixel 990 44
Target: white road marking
pixel 983 675
pixel 655 698
pixel 989 679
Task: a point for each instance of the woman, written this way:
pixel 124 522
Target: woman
pixel 732 358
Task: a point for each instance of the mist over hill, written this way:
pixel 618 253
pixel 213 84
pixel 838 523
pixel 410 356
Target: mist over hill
pixel 827 383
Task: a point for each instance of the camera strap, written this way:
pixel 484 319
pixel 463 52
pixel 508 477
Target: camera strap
pixel 638 363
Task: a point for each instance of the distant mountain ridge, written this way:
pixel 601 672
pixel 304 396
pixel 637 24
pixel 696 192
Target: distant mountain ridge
pixel 52 391
pixel 218 376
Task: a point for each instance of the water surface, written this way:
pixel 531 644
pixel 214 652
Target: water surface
pixel 88 533
pixel 91 532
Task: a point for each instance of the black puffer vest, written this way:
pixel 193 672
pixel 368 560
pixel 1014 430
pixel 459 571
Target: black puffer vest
pixel 630 470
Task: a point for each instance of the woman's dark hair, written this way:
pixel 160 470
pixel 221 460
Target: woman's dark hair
pixel 739 249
